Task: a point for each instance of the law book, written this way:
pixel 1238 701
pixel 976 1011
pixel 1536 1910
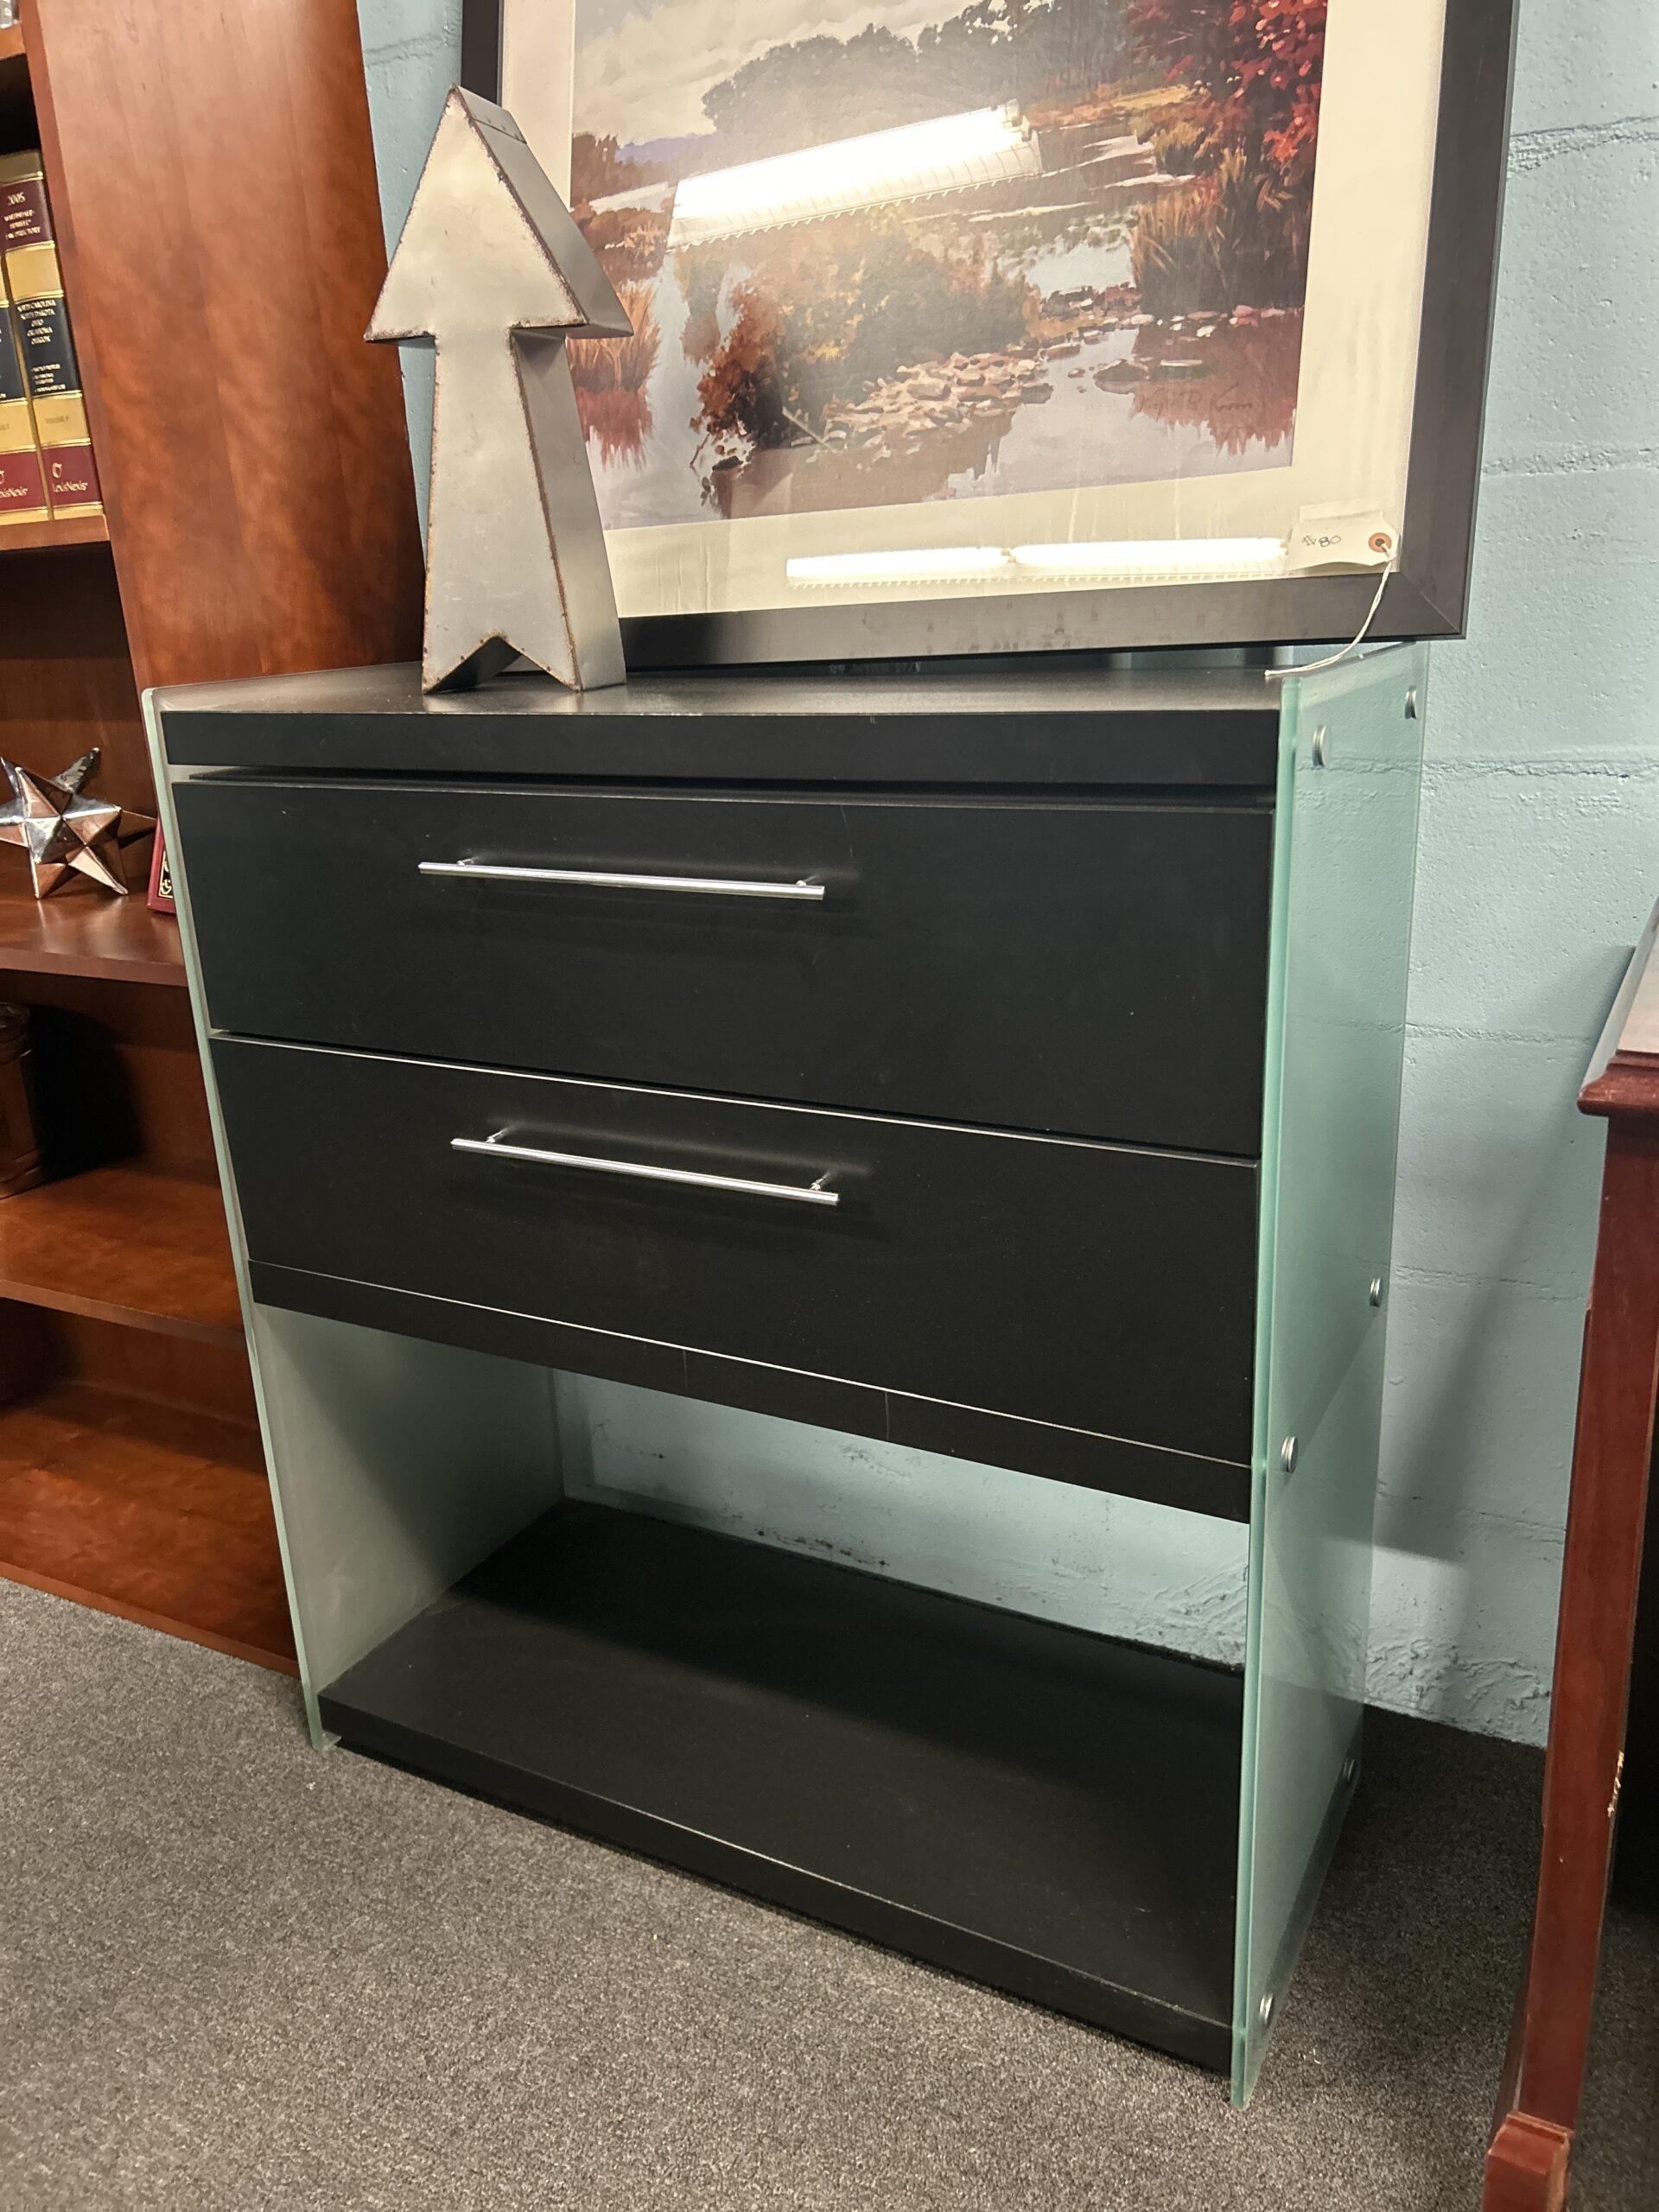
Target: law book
pixel 25 215
pixel 23 476
pixel 34 281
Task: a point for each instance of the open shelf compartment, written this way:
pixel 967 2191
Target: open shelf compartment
pixel 132 1480
pixel 1049 1811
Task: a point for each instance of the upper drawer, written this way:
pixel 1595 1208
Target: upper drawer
pixel 1093 967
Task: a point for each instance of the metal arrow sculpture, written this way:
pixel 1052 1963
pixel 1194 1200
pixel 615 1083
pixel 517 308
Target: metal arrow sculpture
pixel 491 270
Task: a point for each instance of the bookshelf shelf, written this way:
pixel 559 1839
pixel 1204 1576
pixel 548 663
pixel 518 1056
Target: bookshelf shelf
pixel 50 537
pixel 128 1244
pixel 92 934
pixel 157 1513
pixel 11 44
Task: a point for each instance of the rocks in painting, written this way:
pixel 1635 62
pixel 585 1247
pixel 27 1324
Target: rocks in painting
pixel 1074 373
pixel 904 411
pixel 1244 317
pixel 1208 330
pixel 1183 368
pixel 1141 321
pixel 1122 376
pixel 1081 303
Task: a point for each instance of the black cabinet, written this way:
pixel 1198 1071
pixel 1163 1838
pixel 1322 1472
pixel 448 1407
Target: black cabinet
pixel 1002 1065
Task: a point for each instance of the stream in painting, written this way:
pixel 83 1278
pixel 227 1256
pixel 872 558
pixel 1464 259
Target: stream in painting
pixel 1107 291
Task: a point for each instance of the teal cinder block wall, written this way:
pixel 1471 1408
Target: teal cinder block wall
pixel 1540 859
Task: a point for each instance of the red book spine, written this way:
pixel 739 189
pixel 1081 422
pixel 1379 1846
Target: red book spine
pixel 23 487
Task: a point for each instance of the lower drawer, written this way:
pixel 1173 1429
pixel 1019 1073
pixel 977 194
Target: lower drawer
pixel 1088 1286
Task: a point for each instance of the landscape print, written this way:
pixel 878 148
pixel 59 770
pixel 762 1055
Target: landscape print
pixel 881 255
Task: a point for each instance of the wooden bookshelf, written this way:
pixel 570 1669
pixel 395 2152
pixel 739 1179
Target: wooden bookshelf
pixel 78 932
pixel 42 536
pixel 221 252
pixel 156 1512
pixel 127 1243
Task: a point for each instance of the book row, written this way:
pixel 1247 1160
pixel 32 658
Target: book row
pixel 47 468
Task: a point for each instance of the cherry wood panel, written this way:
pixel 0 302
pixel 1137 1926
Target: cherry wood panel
pixel 139 1363
pixel 212 169
pixel 66 679
pixel 39 1346
pixel 54 535
pixel 124 1244
pixel 83 932
pixel 151 1511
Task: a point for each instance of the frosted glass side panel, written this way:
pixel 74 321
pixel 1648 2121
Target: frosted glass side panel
pixel 1345 857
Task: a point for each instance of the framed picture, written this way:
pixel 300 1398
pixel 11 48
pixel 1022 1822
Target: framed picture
pixel 988 326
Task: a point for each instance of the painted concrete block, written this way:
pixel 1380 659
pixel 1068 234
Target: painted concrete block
pixel 1114 1564
pixel 1477 1408
pixel 1469 1639
pixel 394 25
pixel 1562 655
pixel 1567 78
pixel 1571 382
pixel 1498 1170
pixel 1532 886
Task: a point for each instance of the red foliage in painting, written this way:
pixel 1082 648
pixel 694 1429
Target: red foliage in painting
pixel 742 393
pixel 1255 65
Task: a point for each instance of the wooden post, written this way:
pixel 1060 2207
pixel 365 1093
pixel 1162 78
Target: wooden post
pixel 1528 2157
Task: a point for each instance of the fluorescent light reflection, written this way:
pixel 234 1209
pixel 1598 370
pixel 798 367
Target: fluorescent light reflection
pixel 954 153
pixel 1176 560
pixel 938 563
pixel 1164 555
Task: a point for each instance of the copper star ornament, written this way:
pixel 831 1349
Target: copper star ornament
pixel 61 829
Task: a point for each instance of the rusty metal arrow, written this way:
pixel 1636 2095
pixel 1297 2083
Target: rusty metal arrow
pixel 492 272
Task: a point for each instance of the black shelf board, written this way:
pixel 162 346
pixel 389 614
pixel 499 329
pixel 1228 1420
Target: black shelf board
pixel 1048 1811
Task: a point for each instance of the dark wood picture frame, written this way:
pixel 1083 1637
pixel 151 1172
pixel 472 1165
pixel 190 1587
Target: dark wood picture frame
pixel 1425 597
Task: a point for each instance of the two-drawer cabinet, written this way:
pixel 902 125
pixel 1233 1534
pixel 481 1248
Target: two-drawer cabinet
pixel 1002 1066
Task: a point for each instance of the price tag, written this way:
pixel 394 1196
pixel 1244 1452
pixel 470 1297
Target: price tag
pixel 1342 538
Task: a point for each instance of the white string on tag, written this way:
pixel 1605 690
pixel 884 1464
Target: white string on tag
pixel 1308 667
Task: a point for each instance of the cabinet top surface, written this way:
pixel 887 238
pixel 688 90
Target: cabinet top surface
pixel 1042 725
pixel 930 688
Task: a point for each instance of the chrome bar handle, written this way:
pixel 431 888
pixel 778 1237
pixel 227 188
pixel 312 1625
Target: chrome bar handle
pixel 808 1194
pixel 611 880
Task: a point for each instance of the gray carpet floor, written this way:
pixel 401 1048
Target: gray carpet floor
pixel 236 1976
